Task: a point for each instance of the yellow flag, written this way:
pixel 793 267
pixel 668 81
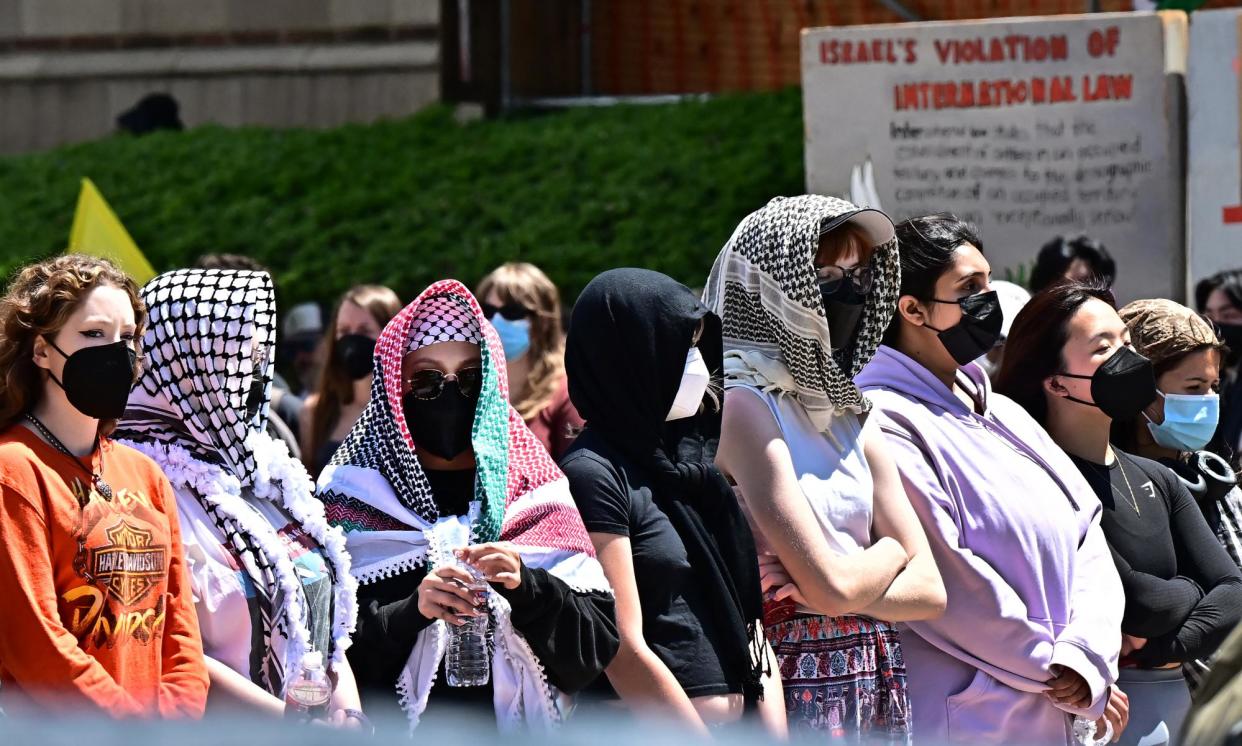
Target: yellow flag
pixel 98 232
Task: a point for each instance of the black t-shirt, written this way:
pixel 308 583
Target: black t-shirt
pixel 614 497
pixel 1183 592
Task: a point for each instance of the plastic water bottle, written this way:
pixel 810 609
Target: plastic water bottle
pixel 468 660
pixel 307 697
pixel 1084 732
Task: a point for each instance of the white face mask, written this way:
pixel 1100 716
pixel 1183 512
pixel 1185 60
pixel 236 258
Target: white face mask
pixel 693 386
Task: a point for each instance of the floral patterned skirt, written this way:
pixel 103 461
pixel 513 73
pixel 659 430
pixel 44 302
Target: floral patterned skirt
pixel 844 678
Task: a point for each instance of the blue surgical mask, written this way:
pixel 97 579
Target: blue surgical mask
pixel 514 335
pixel 1189 421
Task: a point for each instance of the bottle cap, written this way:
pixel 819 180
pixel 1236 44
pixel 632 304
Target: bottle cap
pixel 313 659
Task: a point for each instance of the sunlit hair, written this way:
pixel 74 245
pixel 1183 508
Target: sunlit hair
pixel 840 241
pixel 527 285
pixel 38 302
pixel 336 388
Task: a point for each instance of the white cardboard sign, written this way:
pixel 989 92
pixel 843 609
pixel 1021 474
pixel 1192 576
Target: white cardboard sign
pixel 1028 127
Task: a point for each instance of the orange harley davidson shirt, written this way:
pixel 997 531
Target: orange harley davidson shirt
pixel 96 612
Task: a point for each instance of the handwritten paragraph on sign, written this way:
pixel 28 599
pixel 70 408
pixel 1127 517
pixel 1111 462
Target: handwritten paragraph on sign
pixel 1055 174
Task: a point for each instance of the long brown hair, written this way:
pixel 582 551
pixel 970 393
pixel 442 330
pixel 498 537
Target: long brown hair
pixel 336 388
pixel 526 284
pixel 38 303
pixel 1036 341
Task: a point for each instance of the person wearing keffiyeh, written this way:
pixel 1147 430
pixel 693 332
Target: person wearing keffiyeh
pixel 439 471
pixel 805 288
pixel 271 578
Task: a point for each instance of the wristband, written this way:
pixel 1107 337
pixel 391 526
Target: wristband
pixel 361 718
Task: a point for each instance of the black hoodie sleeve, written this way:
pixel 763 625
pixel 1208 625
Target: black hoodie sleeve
pixel 574 634
pixel 388 627
pixel 1201 558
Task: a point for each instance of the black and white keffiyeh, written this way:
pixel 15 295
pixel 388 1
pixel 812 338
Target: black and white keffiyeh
pixel 763 287
pixel 199 410
pixel 209 364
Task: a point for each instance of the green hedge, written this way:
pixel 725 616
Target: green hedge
pixel 409 202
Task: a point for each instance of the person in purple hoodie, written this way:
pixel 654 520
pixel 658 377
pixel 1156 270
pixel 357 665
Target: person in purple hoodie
pixel 1026 651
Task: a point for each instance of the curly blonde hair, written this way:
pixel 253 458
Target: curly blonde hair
pixel 39 302
pixel 526 284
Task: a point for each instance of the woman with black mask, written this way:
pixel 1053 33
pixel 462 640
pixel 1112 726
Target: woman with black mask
pixel 345 382
pixel 1029 640
pixel 644 359
pixel 91 564
pixel 1076 373
pixel 270 577
pixel 804 288
pixel 453 511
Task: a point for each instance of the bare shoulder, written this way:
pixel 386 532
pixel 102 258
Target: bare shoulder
pixel 748 430
pixel 747 416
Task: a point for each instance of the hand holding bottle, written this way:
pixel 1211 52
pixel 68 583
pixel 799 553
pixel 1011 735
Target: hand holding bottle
pixel 497 562
pixel 445 593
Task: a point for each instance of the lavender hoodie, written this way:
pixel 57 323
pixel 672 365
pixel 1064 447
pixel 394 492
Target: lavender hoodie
pixel 1015 530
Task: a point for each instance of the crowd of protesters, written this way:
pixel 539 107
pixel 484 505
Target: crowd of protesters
pixel 856 490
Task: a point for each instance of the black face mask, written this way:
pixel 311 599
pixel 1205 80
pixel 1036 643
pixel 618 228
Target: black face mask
pixel 441 425
pixel 978 330
pixel 355 354
pixel 844 306
pixel 1122 386
pixel 98 379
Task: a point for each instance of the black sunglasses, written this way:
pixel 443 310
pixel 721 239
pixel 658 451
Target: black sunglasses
pixel 429 383
pixel 511 311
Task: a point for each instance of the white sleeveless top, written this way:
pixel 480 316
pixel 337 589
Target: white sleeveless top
pixel 830 468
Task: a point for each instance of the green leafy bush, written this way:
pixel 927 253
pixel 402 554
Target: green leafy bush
pixel 409 202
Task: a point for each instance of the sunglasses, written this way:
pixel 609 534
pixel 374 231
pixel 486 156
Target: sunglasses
pixel 831 277
pixel 511 311
pixel 429 383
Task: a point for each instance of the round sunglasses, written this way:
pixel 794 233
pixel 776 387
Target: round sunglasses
pixel 831 277
pixel 429 382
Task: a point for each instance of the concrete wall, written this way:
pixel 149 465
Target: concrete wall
pixel 51 98
pixel 42 19
pixel 69 67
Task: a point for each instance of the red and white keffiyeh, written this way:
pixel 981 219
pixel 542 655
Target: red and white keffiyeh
pixel 375 489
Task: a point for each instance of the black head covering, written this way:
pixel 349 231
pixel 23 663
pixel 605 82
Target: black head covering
pixel 624 357
pixel 626 351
